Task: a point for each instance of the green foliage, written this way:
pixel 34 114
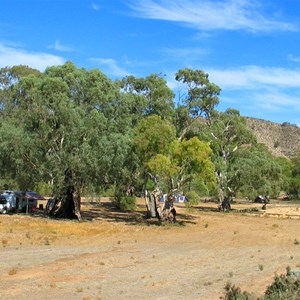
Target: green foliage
pixel 103 134
pixel 295 177
pixel 228 135
pixel 202 94
pixel 193 198
pixel 125 202
pixel 66 119
pixel 186 160
pixel 253 171
pixel 285 174
pixel 202 186
pixel 153 136
pixel 43 188
pixel 234 293
pixel 152 96
pixel 284 287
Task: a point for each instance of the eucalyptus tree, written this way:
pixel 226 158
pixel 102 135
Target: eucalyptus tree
pixel 15 141
pixel 254 171
pixel 201 99
pixel 152 136
pixel 225 132
pixel 185 160
pixel 170 164
pixel 295 177
pixel 75 126
pixel 152 96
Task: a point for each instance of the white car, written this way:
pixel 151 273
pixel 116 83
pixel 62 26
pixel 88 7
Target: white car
pixel 4 205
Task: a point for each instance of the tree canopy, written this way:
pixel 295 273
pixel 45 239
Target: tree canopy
pixel 73 129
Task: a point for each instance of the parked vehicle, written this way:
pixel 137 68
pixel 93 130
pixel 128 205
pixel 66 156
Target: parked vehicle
pixel 262 199
pixel 25 201
pixel 4 205
pixel 30 201
pixel 14 198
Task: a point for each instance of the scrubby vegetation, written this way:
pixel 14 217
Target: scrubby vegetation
pixel 284 287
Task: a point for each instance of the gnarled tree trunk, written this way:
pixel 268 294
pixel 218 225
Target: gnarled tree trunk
pixel 150 204
pixel 67 205
pixel 167 212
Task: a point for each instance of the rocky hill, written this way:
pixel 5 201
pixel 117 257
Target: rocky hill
pixel 281 139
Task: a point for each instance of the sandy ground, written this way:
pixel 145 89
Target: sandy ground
pixel 118 255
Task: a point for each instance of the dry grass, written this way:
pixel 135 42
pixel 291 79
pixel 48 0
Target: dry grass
pixel 115 255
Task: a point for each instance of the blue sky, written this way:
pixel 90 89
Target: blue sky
pixel 250 48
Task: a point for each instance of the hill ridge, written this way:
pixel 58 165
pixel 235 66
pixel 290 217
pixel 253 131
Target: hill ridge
pixel 281 139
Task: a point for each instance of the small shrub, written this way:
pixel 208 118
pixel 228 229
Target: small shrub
pixel 125 202
pixel 12 271
pixel 284 287
pixel 233 292
pixel 193 198
pixel 261 267
pixel 296 242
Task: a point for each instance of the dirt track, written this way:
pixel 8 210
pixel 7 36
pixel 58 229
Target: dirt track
pixel 115 255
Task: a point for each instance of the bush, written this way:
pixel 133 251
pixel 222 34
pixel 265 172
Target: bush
pixel 125 202
pixel 234 293
pixel 284 287
pixel 193 198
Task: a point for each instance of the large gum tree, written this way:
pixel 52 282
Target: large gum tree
pixel 68 126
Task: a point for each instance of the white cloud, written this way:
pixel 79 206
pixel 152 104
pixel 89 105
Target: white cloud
pixel 249 78
pixel 293 58
pixel 94 6
pixel 187 54
pixel 267 93
pixel 111 66
pixel 274 105
pixel 60 47
pixel 255 77
pixel 260 92
pixel 211 15
pixel 10 56
pixel 277 100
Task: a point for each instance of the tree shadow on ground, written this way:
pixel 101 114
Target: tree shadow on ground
pixel 232 210
pixel 206 208
pixel 107 211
